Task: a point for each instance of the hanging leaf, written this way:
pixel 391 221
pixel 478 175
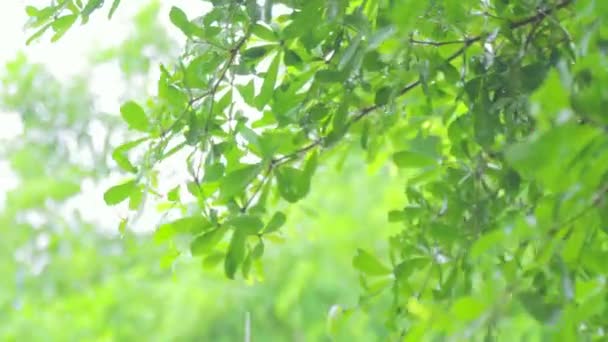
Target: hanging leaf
pixel 269 82
pixel 235 182
pixel 235 255
pixel 135 116
pixel 275 223
pixel 119 193
pixel 369 265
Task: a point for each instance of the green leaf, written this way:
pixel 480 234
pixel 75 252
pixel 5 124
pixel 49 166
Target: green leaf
pixel 257 52
pixel 196 74
pixel 185 225
pixel 293 184
pixel 213 260
pixel 173 194
pixel 119 193
pixel 135 199
pixel 349 53
pixel 31 11
pixel 264 32
pixel 120 155
pixel 369 265
pixel 62 24
pixel 383 95
pixel 213 172
pixel 537 307
pixel 269 82
pixel 235 255
pixel 135 116
pixel 247 92
pixel 180 20
pixel 204 244
pixel 258 250
pixel 410 159
pixel 291 58
pixel 113 8
pixel 122 227
pixel 235 182
pixel 275 223
pixel 91 6
pixel 245 224
pixel 37 34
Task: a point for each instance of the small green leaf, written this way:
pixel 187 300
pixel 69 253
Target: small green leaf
pixel 90 7
pixel 185 225
pixel 213 172
pixel 246 268
pixel 369 265
pixel 383 95
pixel 537 307
pixel 173 194
pixel 349 52
pixel 122 227
pixel 180 20
pixel 245 224
pixel 213 259
pixel 275 223
pixel 256 52
pixel 37 34
pixel 31 11
pixel 119 193
pixel 293 183
pixel 291 58
pixel 135 199
pixel 269 82
pixel 247 92
pixel 62 24
pixel 113 8
pixel 264 32
pixel 135 116
pixel 120 155
pixel 258 250
pixel 236 181
pixel 203 244
pixel 235 255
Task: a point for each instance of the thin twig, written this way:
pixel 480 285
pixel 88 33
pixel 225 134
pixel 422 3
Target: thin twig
pixel 432 43
pixel 257 190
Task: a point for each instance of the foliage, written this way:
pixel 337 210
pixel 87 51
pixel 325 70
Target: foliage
pixel 67 275
pixel 491 111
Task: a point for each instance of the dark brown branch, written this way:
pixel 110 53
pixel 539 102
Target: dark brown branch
pixel 287 157
pixel 542 14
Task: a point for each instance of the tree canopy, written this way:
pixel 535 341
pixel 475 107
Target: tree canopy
pixel 490 114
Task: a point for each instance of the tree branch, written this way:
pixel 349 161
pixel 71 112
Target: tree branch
pixel 467 42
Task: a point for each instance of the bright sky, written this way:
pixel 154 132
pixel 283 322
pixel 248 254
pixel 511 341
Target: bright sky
pixel 64 59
